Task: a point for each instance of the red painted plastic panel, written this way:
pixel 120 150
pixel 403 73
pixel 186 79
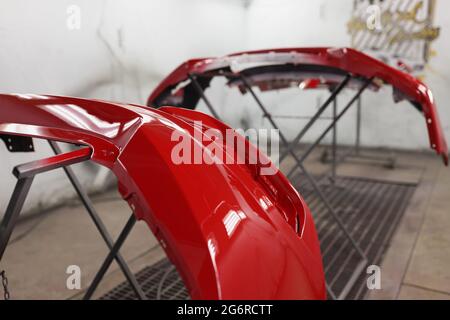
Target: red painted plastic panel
pixel 223 226
pixel 348 60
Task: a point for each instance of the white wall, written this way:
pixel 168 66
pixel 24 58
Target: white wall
pixel 121 51
pixel 290 23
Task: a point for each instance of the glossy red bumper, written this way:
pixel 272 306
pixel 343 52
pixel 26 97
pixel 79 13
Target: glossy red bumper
pixel 232 233
pixel 346 60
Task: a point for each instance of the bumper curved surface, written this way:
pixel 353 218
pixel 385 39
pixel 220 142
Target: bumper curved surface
pixel 232 233
pixel 340 60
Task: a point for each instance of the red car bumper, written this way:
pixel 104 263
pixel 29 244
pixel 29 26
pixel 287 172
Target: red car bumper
pixel 323 63
pixel 232 233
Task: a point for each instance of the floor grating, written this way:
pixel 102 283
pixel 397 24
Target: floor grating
pixel 159 281
pixel 370 209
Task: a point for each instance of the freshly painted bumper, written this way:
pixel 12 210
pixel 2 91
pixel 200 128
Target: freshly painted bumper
pixel 347 60
pixel 232 233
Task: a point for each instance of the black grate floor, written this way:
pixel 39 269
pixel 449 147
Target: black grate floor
pixel 160 281
pixel 369 209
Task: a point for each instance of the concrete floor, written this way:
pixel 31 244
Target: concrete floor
pixel 42 248
pixel 416 265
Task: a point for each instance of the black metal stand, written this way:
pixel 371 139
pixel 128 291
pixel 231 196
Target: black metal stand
pixel 290 150
pixel 355 153
pixel 25 174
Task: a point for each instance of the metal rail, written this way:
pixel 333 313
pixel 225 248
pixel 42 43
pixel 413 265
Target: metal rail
pixel 25 174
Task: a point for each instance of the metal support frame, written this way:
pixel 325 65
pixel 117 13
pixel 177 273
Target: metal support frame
pixel 12 212
pixel 111 256
pixel 25 174
pixel 290 150
pixel 358 126
pixel 355 152
pixel 314 118
pixel 334 143
pixel 330 126
pixel 199 89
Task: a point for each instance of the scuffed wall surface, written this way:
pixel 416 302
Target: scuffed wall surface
pixel 290 23
pixel 121 51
